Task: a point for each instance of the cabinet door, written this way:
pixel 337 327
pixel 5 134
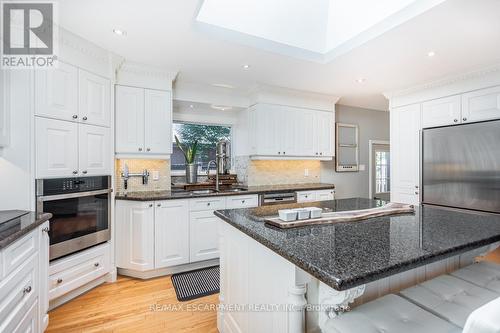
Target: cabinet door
pixel 325 195
pixel 56 92
pixel 405 154
pixel 94 99
pixel 267 131
pixel 94 150
pixel 135 235
pixel 56 148
pixel 481 105
pixel 204 243
pixel 158 122
pixel 171 233
pixel 304 133
pixel 306 196
pixel 129 119
pixel 441 112
pixel 43 262
pixel 324 133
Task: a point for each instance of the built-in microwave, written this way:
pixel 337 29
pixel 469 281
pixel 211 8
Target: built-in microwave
pixel 81 209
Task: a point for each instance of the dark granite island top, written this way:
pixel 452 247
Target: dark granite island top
pixel 14 224
pixel 346 255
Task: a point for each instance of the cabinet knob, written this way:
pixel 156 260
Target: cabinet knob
pixel 84 172
pixel 158 205
pixel 27 290
pixel 140 149
pixel 279 153
pixel 85 118
pixel 242 201
pixel 284 153
pixel 464 119
pixel 75 116
pixel 316 153
pixel 75 172
pixel 46 229
pixel 455 120
pixel 208 203
pixel 148 149
pixel 59 280
pixel 96 264
pixel 321 153
pixel 416 186
pixel 416 192
pixel 150 205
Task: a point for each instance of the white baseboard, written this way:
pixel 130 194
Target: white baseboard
pixel 168 270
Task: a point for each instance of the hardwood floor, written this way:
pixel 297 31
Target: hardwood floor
pixel 125 306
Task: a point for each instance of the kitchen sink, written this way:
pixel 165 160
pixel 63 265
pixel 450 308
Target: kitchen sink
pixel 203 191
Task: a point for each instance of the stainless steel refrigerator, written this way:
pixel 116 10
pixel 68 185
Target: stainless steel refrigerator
pixel 461 166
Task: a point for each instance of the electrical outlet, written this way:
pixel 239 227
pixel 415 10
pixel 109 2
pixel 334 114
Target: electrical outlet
pixel 306 172
pixel 362 167
pixel 156 175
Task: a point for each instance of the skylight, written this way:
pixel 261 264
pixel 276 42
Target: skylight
pixel 315 29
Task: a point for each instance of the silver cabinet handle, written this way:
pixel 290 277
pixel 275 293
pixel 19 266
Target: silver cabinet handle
pixel 464 119
pixel 27 290
pixel 416 192
pixel 316 153
pixel 96 264
pixel 75 172
pixel 148 149
pixel 84 172
pixel 284 153
pixel 158 205
pixel 85 118
pixel 455 120
pixel 75 116
pixel 208 203
pixel 242 201
pixel 150 205
pixel 321 153
pixel 46 229
pixel 59 280
pixel 140 149
pixel 279 153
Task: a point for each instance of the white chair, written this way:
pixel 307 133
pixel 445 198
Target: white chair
pixel 486 319
pixel 389 314
pixel 483 274
pixel 449 297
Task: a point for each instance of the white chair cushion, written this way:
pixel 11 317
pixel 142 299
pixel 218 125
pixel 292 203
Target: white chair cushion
pixel 449 297
pixel 483 274
pixel 486 319
pixel 388 314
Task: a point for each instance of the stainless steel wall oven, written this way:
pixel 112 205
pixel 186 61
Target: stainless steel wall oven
pixel 81 209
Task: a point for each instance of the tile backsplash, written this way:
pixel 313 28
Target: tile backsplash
pixel 137 165
pixel 275 172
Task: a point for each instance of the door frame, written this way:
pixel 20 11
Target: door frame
pixel 370 161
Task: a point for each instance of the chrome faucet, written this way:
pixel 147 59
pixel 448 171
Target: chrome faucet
pixel 216 173
pixel 126 175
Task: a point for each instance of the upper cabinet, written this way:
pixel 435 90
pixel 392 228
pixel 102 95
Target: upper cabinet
pixel 143 121
pixel 479 105
pixel 93 99
pixel 4 108
pixel 287 132
pixel 72 94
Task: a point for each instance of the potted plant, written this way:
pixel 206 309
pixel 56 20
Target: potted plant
pixel 189 155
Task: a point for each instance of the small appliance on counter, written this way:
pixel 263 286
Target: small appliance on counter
pixel 81 209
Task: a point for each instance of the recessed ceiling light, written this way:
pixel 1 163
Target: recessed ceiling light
pixel 223 85
pixel 119 32
pixel 221 107
pixel 191 106
pixel 246 67
pixel 431 54
pixel 361 80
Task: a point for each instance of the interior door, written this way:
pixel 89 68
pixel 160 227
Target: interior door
pixel 381 170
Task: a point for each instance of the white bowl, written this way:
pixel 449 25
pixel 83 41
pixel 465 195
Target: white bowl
pixel 302 213
pixel 287 215
pixel 315 212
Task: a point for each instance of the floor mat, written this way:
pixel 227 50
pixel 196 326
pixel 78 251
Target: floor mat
pixel 196 284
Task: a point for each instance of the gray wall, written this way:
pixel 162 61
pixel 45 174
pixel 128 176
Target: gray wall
pixel 373 125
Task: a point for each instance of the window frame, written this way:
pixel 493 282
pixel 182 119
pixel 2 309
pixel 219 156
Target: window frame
pixel 231 136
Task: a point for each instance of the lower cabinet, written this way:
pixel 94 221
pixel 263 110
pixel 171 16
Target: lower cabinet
pixel 171 233
pixel 319 195
pixel 203 235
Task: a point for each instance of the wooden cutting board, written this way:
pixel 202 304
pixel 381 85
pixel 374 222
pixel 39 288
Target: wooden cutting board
pixel 391 208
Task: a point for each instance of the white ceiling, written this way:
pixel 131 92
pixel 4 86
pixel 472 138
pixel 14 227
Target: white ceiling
pixel 465 35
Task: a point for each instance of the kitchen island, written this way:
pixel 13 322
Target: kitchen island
pixel 338 265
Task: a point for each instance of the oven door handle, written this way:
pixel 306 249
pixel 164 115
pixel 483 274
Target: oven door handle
pixel 73 195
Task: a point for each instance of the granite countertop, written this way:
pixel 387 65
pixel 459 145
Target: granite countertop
pixel 13 226
pixel 180 194
pixel 346 255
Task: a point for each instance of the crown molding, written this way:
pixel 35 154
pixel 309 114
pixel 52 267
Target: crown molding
pixel 135 68
pixel 83 46
pixel 135 74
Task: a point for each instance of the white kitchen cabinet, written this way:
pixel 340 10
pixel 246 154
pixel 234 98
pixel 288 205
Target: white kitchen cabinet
pixel 325 195
pixel 441 112
pixel 135 235
pixel 56 148
pixel 94 150
pixel 281 131
pixel 43 298
pixel 405 154
pixel 93 99
pixel 242 201
pixel 171 233
pixel 481 105
pixel 143 121
pixel 315 195
pixel 5 107
pixel 306 196
pixel 158 122
pixel 56 92
pixel 203 236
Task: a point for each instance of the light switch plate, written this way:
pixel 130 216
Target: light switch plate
pixel 156 175
pixel 306 172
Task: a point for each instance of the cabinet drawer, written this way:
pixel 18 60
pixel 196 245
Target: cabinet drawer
pixel 213 203
pixel 242 201
pixel 18 292
pixel 324 195
pixel 29 323
pixel 75 271
pixel 17 253
pixel 306 196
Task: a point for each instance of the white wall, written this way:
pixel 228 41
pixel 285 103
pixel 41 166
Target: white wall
pixel 373 125
pixel 16 182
